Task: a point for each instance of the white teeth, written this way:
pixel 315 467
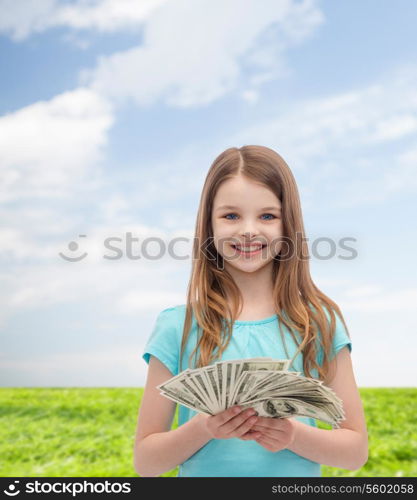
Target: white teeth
pixel 248 249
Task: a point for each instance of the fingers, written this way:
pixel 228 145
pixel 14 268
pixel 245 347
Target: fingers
pixel 244 427
pixel 240 424
pixel 268 433
pixel 222 425
pixel 227 415
pixel 216 422
pixel 272 423
pixel 245 424
pixel 273 428
pixel 268 443
pixel 250 435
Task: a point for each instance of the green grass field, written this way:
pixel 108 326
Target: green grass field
pixel 90 432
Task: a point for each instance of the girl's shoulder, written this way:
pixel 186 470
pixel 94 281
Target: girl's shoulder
pixel 173 316
pixel 172 310
pixel 178 307
pixel 165 337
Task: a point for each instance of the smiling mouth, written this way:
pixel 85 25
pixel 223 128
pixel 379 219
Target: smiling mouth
pixel 248 250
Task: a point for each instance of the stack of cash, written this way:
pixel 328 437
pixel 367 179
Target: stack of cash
pixel 264 384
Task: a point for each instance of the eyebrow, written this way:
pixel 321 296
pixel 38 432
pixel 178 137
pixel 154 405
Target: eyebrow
pixel 231 207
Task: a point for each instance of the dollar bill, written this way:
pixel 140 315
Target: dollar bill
pixel 264 384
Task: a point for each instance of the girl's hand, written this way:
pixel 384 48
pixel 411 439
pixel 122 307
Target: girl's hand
pixel 276 433
pixel 230 423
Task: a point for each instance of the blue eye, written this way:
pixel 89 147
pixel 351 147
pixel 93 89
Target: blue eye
pixel 226 216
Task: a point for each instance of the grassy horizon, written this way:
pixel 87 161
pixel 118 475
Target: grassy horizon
pixel 87 432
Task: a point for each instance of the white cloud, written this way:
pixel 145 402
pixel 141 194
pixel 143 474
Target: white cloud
pixel 191 57
pixel 16 244
pixel 23 18
pixel 106 15
pixel 112 287
pixel 250 96
pixel 374 299
pixel 363 291
pixel 29 219
pixel 358 117
pixel 131 283
pixel 49 146
pixel 394 127
pixel 115 367
pixel 141 301
pixel 20 19
pixel 335 144
pixel 402 175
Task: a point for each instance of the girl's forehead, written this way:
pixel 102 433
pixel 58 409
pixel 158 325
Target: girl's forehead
pixel 240 191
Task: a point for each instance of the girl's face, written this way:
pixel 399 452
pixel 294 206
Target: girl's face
pixel 246 214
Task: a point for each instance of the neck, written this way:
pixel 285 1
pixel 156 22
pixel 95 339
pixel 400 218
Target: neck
pixel 256 288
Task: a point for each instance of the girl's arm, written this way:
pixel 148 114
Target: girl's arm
pixel 346 447
pixel 158 449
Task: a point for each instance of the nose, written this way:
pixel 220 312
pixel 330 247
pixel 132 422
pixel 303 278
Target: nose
pixel 248 235
pixel 249 230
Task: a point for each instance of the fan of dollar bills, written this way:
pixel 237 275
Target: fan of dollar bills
pixel 264 384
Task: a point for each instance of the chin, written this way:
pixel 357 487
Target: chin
pixel 248 267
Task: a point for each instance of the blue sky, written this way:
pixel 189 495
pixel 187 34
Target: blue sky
pixel 111 113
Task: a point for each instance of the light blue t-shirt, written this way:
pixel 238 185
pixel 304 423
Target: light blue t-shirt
pixel 250 339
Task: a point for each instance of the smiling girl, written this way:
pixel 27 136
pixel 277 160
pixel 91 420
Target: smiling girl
pixel 250 295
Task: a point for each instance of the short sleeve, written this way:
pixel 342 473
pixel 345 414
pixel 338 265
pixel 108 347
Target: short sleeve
pixel 164 340
pixel 341 337
pixel 340 340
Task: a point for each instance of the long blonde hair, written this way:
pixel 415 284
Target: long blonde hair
pixel 298 302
